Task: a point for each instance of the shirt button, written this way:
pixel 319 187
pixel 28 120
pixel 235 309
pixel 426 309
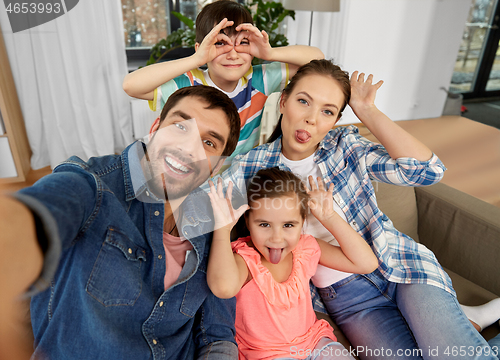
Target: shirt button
pixel 354 223
pixel 129 250
pixel 159 257
pixel 147 193
pixel 157 213
pixel 161 303
pixel 185 233
pixel 155 342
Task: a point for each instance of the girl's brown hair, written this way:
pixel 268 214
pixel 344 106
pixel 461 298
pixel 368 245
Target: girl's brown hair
pixel 214 13
pixel 316 67
pixel 274 183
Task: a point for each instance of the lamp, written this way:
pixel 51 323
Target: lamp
pixel 312 6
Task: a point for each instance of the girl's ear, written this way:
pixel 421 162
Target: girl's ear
pixel 196 46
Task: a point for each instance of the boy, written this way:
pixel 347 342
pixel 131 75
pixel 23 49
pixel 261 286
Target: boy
pixel 227 47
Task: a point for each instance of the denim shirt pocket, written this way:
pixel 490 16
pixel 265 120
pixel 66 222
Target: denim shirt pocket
pixel 116 275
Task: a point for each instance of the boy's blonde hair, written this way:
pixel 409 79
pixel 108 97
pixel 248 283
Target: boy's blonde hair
pixel 214 13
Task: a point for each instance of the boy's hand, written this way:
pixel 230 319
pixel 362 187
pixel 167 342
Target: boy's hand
pixel 252 41
pixel 363 92
pixel 215 43
pixel 321 201
pixel 224 213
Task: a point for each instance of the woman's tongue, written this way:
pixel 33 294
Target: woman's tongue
pixel 302 136
pixel 275 255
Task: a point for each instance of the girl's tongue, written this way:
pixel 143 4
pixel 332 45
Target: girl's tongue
pixel 302 136
pixel 275 255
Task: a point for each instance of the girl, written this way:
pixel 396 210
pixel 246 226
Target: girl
pixel 269 271
pixel 408 302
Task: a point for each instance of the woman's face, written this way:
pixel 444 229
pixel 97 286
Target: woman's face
pixel 309 112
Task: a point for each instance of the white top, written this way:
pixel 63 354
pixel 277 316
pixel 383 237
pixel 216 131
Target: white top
pixel 324 276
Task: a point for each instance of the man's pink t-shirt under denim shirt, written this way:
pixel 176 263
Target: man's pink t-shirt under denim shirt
pixel 176 251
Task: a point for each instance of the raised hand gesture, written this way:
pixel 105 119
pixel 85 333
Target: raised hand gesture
pixel 224 214
pixel 215 43
pixel 321 200
pixel 252 41
pixel 363 92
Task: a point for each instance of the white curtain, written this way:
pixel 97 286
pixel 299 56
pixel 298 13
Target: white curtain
pixel 328 31
pixel 68 74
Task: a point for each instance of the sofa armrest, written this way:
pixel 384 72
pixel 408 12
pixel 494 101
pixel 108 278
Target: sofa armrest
pixel 463 232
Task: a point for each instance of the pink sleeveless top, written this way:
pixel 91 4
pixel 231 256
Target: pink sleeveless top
pixel 273 319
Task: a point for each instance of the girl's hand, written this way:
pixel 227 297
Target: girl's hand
pixel 215 43
pixel 321 201
pixel 224 214
pixel 363 92
pixel 252 41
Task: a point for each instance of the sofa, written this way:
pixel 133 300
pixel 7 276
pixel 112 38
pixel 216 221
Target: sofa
pixel 463 232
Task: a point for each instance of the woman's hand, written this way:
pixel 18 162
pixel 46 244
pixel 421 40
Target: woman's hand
pixel 224 214
pixel 363 92
pixel 321 201
pixel 252 41
pixel 215 43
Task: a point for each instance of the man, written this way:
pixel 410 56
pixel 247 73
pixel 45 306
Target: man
pixel 121 278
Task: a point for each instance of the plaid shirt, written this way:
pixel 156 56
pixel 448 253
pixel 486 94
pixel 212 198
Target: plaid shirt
pixel 350 162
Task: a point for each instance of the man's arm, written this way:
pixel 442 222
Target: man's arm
pixel 21 261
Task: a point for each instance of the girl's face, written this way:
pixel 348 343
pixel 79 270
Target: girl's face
pixel 309 112
pixel 275 226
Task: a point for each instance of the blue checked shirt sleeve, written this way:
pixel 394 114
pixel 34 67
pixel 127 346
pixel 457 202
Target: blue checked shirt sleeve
pixel 403 171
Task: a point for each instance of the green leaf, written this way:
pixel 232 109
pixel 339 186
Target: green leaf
pixel 187 21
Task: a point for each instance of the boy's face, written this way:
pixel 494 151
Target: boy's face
pixel 227 69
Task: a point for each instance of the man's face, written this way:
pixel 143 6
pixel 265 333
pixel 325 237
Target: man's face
pixel 186 147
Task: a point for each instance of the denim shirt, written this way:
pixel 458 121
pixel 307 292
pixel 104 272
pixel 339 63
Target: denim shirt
pixel 105 297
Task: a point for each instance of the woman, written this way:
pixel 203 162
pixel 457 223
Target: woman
pixel 407 308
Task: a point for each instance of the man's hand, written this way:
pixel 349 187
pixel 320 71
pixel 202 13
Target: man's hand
pixel 252 41
pixel 20 264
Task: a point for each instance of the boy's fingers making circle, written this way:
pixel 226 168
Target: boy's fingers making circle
pixel 250 28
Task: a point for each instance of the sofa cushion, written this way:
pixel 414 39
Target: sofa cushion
pixel 391 200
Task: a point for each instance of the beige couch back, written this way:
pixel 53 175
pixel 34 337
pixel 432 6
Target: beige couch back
pixel 400 205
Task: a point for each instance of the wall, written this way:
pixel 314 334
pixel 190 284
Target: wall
pixel 410 44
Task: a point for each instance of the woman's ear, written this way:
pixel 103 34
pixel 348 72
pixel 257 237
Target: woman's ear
pixel 282 102
pixel 196 46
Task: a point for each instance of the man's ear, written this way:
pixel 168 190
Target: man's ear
pixel 154 127
pixel 214 170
